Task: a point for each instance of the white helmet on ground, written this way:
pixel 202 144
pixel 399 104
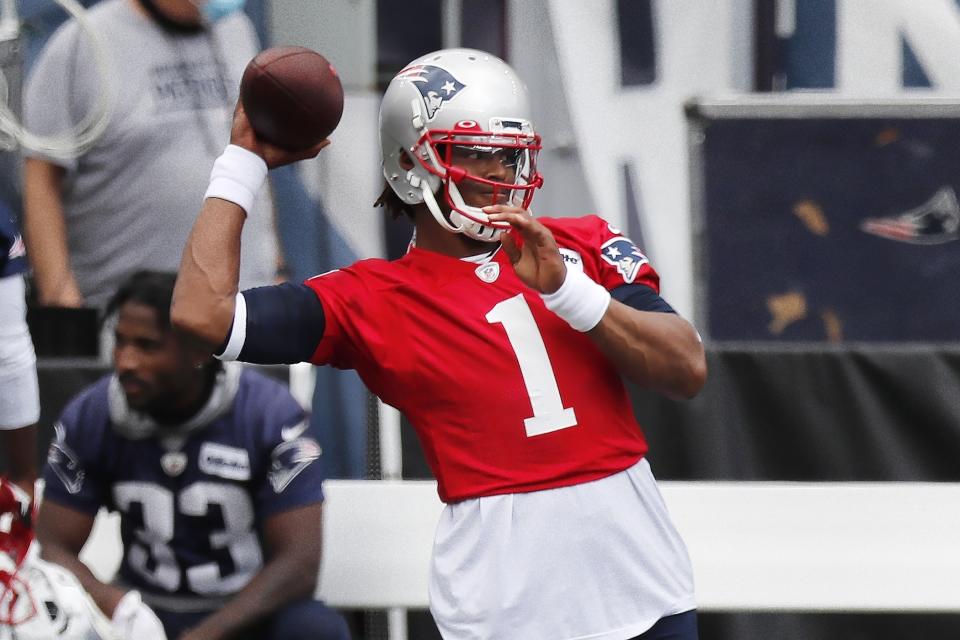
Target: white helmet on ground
pixel 43 601
pixel 38 600
pixel 468 99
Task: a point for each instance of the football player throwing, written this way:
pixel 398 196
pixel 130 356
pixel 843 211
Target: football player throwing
pixel 502 338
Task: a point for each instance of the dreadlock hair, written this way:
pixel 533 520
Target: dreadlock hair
pixel 390 201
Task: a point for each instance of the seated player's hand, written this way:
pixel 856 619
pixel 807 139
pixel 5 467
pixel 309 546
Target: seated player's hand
pixel 536 259
pixel 134 620
pixel 243 135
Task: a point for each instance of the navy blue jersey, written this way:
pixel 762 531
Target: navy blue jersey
pixel 13 254
pixel 191 504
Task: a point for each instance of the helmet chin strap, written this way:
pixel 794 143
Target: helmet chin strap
pixel 432 205
pixel 456 223
pixel 461 211
pixel 477 231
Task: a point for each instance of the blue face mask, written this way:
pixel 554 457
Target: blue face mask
pixel 213 10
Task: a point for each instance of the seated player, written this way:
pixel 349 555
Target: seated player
pixel 216 483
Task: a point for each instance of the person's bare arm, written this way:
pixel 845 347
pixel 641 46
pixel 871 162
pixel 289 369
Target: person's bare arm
pixel 654 350
pixel 292 540
pixel 659 351
pixel 20 449
pixel 62 532
pixel 206 289
pixel 45 234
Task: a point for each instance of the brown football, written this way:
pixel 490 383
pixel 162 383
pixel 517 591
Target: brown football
pixel 292 97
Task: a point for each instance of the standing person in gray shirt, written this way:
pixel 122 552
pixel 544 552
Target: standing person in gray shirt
pixel 127 203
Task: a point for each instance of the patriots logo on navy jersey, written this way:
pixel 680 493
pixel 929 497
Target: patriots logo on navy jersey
pixel 624 255
pixel 64 462
pixel 18 249
pixel 435 84
pixel 289 459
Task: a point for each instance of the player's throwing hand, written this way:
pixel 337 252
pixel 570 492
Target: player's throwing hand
pixel 243 135
pixel 536 259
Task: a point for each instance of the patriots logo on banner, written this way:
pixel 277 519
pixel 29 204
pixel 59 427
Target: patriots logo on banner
pixel 435 84
pixel 934 222
pixel 624 255
pixel 289 459
pixel 64 462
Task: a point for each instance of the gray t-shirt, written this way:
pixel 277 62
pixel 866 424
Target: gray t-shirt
pixel 131 200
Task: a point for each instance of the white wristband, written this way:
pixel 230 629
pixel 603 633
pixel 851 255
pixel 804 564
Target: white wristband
pixel 579 300
pixel 237 176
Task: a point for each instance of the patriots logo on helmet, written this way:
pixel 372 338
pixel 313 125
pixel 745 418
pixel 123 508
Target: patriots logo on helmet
pixel 64 462
pixel 624 255
pixel 435 84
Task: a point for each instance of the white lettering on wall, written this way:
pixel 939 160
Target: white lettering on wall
pixel 701 49
pixel 869 50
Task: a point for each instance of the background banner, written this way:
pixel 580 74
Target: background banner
pixel 840 225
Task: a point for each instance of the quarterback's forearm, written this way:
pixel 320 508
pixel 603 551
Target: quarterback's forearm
pixel 205 294
pixel 654 350
pixel 206 289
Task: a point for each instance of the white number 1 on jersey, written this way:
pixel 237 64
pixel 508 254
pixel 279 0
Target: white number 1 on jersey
pixel 549 414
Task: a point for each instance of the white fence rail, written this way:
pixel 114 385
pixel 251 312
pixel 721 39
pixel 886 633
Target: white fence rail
pixel 754 545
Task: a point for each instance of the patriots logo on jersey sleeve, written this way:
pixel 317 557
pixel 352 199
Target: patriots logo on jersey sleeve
pixel 65 462
pixel 293 431
pixel 624 255
pixel 289 459
pixel 18 249
pixel 435 84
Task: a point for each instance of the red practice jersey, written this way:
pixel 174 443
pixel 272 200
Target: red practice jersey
pixel 504 395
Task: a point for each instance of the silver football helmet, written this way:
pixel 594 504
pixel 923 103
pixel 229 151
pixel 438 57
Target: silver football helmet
pixel 454 101
pixel 39 600
pixel 43 601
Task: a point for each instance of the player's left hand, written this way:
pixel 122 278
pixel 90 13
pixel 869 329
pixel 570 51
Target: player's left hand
pixel 537 261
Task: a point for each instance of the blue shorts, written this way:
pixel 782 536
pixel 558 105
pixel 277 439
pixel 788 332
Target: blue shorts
pixel 301 620
pixel 682 626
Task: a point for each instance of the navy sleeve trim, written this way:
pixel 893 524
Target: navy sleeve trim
pixel 642 298
pixel 284 324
